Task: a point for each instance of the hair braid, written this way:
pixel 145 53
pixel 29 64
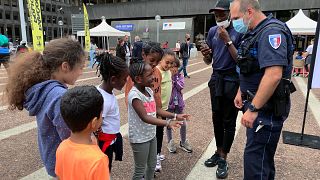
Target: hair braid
pixel 110 65
pixel 136 68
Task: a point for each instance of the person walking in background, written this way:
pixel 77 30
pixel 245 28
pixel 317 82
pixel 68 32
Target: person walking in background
pixel 93 48
pixel 120 50
pixel 185 55
pixel 221 51
pixel 22 48
pixel 4 51
pixel 178 48
pixel 308 55
pixel 137 48
pixel 127 47
pixel 165 45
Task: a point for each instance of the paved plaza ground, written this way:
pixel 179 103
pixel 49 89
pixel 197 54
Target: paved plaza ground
pixel 19 155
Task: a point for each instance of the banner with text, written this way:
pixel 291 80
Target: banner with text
pixel 316 60
pixel 174 25
pixel 36 24
pixel 86 29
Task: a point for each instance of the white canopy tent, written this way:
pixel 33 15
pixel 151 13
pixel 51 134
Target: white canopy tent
pixel 300 24
pixel 104 30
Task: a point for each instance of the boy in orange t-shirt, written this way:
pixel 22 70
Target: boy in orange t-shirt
pixel 79 156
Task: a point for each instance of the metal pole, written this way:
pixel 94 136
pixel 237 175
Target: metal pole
pixel 158 31
pixel 22 21
pixel 60 31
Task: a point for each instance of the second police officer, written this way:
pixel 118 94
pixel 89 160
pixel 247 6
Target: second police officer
pixel 265 61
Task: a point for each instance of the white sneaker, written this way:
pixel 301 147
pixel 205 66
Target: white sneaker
pixel 172 147
pixel 162 157
pixel 158 165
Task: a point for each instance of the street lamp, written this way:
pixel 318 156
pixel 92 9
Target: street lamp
pixel 158 18
pixel 60 23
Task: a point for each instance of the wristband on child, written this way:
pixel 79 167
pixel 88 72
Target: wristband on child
pixel 168 122
pixel 175 116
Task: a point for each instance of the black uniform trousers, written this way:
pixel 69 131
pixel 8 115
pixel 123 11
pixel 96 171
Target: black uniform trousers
pixel 224 113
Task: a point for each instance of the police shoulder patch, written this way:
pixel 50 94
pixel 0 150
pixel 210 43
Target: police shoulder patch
pixel 275 40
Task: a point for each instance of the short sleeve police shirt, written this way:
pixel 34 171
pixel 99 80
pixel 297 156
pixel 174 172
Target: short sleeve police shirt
pixel 272 48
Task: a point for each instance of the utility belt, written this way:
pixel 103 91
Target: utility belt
pixel 279 103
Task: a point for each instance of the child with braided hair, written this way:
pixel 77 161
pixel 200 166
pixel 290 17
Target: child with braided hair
pixel 142 111
pixel 114 72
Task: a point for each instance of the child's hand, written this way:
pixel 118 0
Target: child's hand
pixel 182 117
pixel 174 124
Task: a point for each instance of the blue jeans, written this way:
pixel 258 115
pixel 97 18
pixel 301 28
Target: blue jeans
pixel 184 66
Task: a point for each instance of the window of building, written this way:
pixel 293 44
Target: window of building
pixel 9 32
pixel 54 20
pixel 44 19
pixel 48 19
pixel 53 8
pixel 14 3
pixel 16 16
pixel 17 31
pixel 6 2
pixel 8 15
pixel 55 33
pixel 48 7
pixel 65 21
pixel 42 6
pixel 1 14
pixel 49 33
pixel 314 14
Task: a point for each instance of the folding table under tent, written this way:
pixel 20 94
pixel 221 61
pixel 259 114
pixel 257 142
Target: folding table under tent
pixel 104 30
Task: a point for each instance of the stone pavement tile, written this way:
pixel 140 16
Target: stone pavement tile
pixel 19 156
pixel 292 162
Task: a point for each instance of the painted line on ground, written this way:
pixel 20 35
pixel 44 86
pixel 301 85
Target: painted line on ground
pixel 42 174
pixel 26 127
pixel 314 103
pixel 200 170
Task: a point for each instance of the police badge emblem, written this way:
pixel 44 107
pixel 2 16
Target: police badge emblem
pixel 275 40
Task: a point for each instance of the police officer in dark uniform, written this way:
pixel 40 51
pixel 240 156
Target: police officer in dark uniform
pixel 265 61
pixel 221 51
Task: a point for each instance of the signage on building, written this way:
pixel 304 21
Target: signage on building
pixel 124 27
pixel 77 23
pixel 174 25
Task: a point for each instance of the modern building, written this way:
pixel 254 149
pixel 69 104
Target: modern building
pixel 195 13
pixel 52 12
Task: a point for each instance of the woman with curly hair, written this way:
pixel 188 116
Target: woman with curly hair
pixel 37 82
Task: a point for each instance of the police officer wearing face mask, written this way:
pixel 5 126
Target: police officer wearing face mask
pixel 265 61
pixel 221 51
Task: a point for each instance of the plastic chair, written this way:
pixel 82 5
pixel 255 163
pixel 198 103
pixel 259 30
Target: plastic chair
pixel 297 65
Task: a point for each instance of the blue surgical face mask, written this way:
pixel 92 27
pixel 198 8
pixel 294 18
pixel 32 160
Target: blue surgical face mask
pixel 240 26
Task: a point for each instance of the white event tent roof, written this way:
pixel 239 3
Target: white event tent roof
pixel 300 24
pixel 104 30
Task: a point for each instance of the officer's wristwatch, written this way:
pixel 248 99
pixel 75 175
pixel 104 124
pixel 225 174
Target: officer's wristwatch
pixel 228 43
pixel 253 108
